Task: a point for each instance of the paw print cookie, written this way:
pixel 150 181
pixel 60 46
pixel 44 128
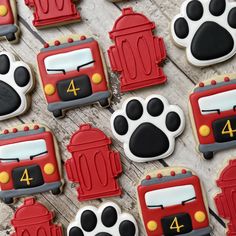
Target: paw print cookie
pixel 16 81
pixel 148 128
pixel 207 29
pixel 107 220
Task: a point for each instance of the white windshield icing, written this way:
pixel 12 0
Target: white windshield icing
pixel 22 150
pixel 70 61
pixel 218 102
pixel 170 196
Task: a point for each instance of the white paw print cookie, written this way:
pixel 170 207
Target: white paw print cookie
pixel 207 29
pixel 148 128
pixel 16 81
pixel 107 220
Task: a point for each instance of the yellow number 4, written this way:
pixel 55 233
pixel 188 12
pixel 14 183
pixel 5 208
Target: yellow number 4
pixel 72 88
pixel 175 225
pixel 228 129
pixel 25 177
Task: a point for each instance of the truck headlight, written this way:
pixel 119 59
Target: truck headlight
pixel 152 225
pixel 49 89
pixel 97 78
pixel 4 177
pixel 200 216
pixel 204 130
pixel 49 169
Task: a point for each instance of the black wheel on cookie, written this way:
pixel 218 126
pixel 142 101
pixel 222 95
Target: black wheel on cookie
pixel 104 102
pixel 208 155
pixel 11 37
pixel 8 200
pixel 57 113
pixel 56 191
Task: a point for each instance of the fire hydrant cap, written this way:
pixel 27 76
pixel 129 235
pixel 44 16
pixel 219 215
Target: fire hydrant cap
pixel 31 212
pixel 88 136
pixel 227 176
pixel 130 20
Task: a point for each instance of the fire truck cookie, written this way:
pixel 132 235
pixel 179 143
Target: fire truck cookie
pixel 147 128
pixel 73 74
pixel 29 162
pixel 93 165
pixel 212 111
pixel 106 220
pixel 202 26
pixel 50 13
pixel 137 54
pixel 171 202
pixel 8 25
pixel 34 219
pixel 16 82
pixel 225 201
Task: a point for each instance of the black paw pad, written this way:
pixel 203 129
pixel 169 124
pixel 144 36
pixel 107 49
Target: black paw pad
pixel 134 109
pixel 155 107
pixel 207 42
pixel 4 64
pixel 88 221
pixel 148 141
pixel 104 221
pixel 194 10
pixel 149 137
pixel 21 76
pixel 232 18
pixel 217 7
pixel 181 28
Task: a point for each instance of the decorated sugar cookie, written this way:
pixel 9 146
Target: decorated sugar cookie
pixel 137 53
pixel 50 13
pixel 16 81
pixel 226 199
pixel 207 29
pixel 213 114
pixel 73 74
pixel 8 24
pixel 147 128
pixel 93 166
pixel 34 219
pixel 107 220
pixel 171 202
pixel 29 162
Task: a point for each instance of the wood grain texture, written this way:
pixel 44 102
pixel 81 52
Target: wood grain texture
pixel 98 18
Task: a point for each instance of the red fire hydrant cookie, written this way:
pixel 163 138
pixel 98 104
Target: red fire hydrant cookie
pixel 137 53
pixel 34 219
pixel 93 165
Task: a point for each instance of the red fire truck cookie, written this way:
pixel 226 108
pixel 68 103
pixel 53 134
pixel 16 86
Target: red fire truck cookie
pixel 73 74
pixel 148 128
pixel 225 201
pixel 171 202
pixel 212 111
pixel 16 82
pixel 8 23
pixel 34 219
pixel 107 220
pixel 137 53
pixel 29 162
pixel 57 12
pixel 93 165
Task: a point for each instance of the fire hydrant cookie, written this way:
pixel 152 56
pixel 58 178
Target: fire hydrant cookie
pixel 51 13
pixel 29 162
pixel 207 29
pixel 147 128
pixel 16 82
pixel 93 165
pixel 172 202
pixel 212 112
pixel 226 199
pixel 73 74
pixel 107 220
pixel 33 218
pixel 137 53
pixel 8 24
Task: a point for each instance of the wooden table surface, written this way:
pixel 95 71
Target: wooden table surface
pixel 98 18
